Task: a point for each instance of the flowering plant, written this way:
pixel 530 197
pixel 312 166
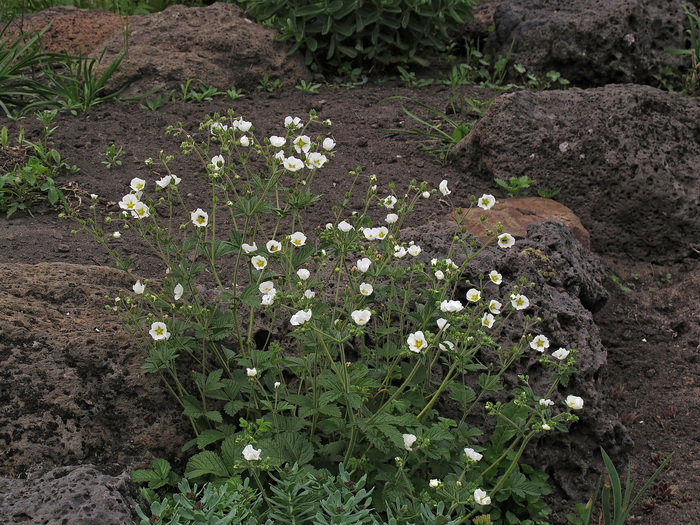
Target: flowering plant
pixel 349 344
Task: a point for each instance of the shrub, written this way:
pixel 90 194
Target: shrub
pixel 348 345
pixel 342 35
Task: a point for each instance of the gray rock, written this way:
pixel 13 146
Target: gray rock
pixel 591 43
pixel 75 495
pixel 626 159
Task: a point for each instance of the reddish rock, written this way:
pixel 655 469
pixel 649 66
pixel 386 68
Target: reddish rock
pixel 518 214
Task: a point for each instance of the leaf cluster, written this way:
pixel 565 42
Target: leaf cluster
pixel 343 35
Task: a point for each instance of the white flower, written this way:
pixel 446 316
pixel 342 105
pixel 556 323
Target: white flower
pixel 451 306
pixel 200 218
pixel 443 324
pixel 408 441
pixel 366 289
pixel 496 278
pixel 487 320
pixel 443 188
pixel 519 301
pixel 277 384
pixel 446 346
pixel 486 201
pixel 94 196
pixel 481 498
pixel 370 233
pixel 399 251
pixel 382 232
pixel 545 426
pixel 561 354
pixel 140 210
pixel 116 235
pixel 298 239
pixel 506 240
pixel 266 286
pixel 245 141
pixel 361 317
pixel 159 332
pixel 139 288
pixel 473 454
pixel 277 142
pixel 302 144
pixel 363 264
pixel 303 274
pixel 416 342
pixel 250 454
pixel 439 275
pixel 300 317
pixel 391 218
pixel 259 262
pixel 539 343
pixel 414 250
pixel 175 179
pixel 328 143
pixel 574 402
pixel 389 202
pixel 249 248
pixel 268 299
pixel 128 202
pixel 292 164
pixel 251 372
pixel 137 184
pixel 242 125
pixel 345 226
pixel 546 402
pixel 473 295
pixel 273 246
pixel 309 294
pixel 494 307
pixel 217 162
pixel 315 160
pixel 425 194
pixel 280 155
pixel 292 122
pixel 162 183
pixel 217 127
pixel 178 291
pixel 435 483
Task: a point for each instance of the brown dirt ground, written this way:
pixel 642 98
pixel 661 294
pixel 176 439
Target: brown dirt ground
pixel 653 380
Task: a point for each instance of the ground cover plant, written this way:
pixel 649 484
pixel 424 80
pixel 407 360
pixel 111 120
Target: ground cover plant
pixel 336 349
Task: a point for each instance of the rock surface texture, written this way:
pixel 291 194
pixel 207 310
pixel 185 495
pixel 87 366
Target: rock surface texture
pixel 71 390
pixel 613 151
pixel 67 496
pixel 217 45
pixel 591 43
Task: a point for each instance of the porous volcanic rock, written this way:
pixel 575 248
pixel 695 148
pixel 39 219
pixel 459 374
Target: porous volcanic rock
pixel 591 43
pixel 626 159
pixel 517 214
pixel 71 390
pixel 76 495
pixel 568 287
pixel 217 45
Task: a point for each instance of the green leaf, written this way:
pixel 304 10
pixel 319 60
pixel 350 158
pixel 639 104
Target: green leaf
pixel 209 436
pixel 205 463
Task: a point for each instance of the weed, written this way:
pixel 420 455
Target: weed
pixel 113 157
pixel 691 79
pixel 266 84
pixel 614 278
pixel 203 93
pixel 155 103
pixel 234 93
pixel 516 186
pixel 531 81
pixel 308 87
pixel 440 142
pixel 409 78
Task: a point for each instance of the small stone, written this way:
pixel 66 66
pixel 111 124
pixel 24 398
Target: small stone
pixel 63 248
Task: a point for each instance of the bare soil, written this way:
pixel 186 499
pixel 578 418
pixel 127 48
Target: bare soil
pixel 651 332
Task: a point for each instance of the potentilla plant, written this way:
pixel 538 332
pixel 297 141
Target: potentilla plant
pixel 347 345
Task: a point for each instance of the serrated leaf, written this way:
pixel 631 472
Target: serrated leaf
pixel 209 436
pixel 206 463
